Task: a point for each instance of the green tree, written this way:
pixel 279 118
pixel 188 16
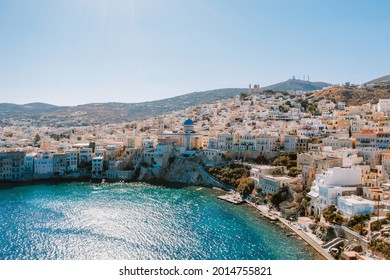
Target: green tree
pixel 304 104
pixel 277 172
pixel 376 226
pixel 381 246
pixel 281 161
pixel 358 222
pixel 246 186
pixel 330 213
pixel 310 108
pixel 276 199
pixel 338 219
pixel 261 159
pixel 231 175
pixel 294 171
pixel 37 139
pixel 243 96
pixel 288 159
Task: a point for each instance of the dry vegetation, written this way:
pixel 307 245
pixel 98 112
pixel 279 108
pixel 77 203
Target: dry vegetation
pixel 353 96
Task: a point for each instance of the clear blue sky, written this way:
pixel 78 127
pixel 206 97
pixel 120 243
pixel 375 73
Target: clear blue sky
pixel 70 52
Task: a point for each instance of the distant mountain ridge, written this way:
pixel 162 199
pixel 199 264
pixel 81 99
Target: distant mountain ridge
pixel 297 85
pixel 115 112
pixel 12 110
pixel 96 113
pixel 380 80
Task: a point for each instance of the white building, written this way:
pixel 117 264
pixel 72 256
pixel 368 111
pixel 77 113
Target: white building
pixel 99 152
pixel 29 165
pixel 259 171
pixel 383 105
pixel 352 205
pixel 290 143
pixel 341 106
pixel 43 163
pixel 225 142
pixel 349 156
pixel 85 155
pixel 212 143
pixel 59 164
pixel 147 144
pixel 337 142
pixel 325 106
pixel 213 156
pixel 332 184
pixel 265 143
pixel 12 165
pixel 97 167
pixel 247 143
pixel 111 152
pixel 71 160
pixel 272 184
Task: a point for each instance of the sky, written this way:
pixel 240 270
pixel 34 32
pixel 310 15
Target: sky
pixel 70 52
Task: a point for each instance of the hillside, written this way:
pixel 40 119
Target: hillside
pixel 101 113
pixel 297 85
pixel 8 110
pixel 353 96
pixel 381 80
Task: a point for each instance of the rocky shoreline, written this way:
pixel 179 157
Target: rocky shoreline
pixel 275 216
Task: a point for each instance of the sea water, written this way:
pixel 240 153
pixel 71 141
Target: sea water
pixel 86 221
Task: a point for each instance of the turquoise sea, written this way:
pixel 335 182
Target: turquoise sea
pixel 87 221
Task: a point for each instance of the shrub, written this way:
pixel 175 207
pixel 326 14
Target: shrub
pixel 294 171
pixel 338 219
pixel 288 159
pixel 380 246
pixel 277 172
pixel 232 175
pixel 330 213
pixel 261 159
pixel 358 219
pixel 276 199
pixel 246 186
pixel 376 226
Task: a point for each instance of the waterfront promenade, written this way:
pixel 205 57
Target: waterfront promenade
pixel 309 238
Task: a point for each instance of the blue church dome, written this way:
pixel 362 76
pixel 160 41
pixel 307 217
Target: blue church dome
pixel 188 122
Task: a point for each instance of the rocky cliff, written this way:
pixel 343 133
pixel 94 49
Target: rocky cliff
pixel 178 170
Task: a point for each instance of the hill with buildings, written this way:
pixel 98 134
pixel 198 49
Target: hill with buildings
pixel 353 96
pixel 297 85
